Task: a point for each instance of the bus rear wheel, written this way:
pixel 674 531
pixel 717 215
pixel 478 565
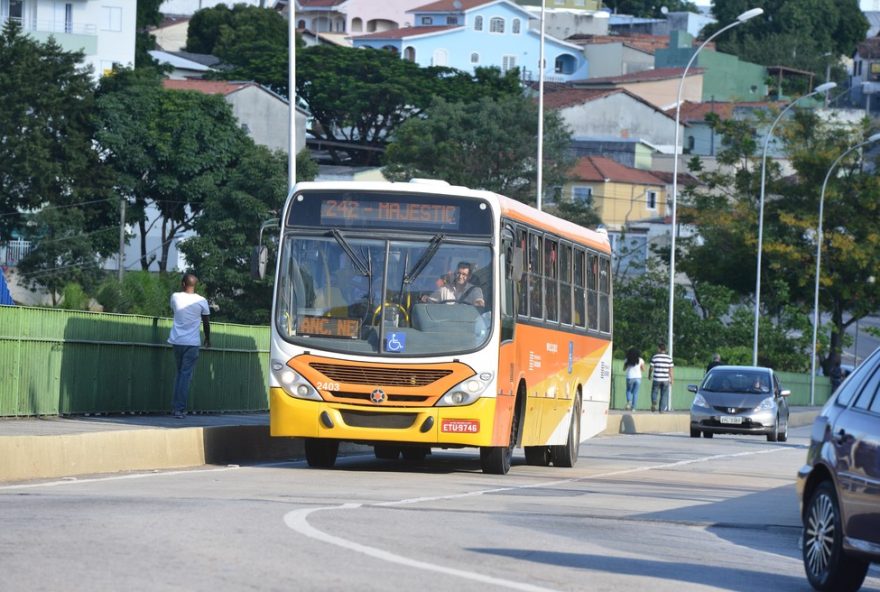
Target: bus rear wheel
pixel 567 454
pixel 321 453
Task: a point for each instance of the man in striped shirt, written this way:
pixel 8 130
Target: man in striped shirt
pixel 660 374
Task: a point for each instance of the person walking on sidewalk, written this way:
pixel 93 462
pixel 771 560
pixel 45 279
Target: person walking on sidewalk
pixel 660 373
pixel 190 310
pixel 634 366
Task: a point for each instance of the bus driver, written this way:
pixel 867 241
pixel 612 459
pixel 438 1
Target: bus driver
pixel 459 290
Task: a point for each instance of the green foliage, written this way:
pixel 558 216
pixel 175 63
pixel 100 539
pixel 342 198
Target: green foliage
pixel 251 41
pixel 579 212
pixel 141 292
pixel 793 33
pixel 148 15
pixel 227 230
pixel 362 96
pixel 488 144
pixel 170 150
pixel 306 167
pixel 73 297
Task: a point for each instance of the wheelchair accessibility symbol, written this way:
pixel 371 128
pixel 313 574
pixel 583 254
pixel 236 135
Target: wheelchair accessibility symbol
pixel 395 342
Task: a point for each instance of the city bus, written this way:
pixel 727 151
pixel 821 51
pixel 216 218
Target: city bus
pixel 362 349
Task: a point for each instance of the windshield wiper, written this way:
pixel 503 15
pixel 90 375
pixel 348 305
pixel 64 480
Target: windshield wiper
pixel 363 268
pixel 423 261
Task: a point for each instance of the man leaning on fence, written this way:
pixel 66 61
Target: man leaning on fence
pixel 190 310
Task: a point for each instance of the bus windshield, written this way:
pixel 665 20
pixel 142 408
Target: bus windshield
pixel 348 292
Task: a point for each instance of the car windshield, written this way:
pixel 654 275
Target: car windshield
pixel 737 381
pixel 356 294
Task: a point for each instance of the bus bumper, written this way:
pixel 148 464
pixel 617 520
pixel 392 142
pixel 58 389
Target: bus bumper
pixel 471 425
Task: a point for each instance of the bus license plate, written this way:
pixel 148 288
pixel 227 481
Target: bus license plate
pixel 460 426
pixel 725 419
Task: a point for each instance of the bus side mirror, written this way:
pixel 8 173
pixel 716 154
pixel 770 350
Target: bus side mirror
pixel 259 260
pixel 517 264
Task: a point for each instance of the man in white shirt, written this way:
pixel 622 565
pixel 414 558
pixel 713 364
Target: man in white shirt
pixel 190 310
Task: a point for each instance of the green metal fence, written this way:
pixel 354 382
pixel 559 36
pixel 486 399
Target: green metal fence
pixel 67 362
pixel 798 384
pixel 58 362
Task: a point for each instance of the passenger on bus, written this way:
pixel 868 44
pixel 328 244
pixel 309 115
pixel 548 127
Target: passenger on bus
pixel 459 290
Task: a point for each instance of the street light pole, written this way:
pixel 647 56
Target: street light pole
pixel 871 139
pixel 822 88
pixel 739 20
pixel 540 176
pixel 291 96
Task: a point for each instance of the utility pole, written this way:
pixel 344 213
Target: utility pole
pixel 121 258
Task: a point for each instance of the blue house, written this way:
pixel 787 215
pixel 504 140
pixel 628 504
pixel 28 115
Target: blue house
pixel 467 34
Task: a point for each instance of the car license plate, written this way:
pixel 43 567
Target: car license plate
pixel 726 419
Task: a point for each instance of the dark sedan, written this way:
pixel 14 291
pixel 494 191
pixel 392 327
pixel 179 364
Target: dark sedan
pixel 839 486
pixel 740 400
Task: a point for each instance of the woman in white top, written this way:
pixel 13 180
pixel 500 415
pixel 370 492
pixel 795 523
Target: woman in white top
pixel 634 366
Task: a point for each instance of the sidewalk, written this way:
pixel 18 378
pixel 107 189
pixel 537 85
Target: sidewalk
pixel 53 447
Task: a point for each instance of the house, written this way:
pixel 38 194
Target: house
pixel 610 113
pixel 466 34
pixel 620 194
pixel 658 86
pixel 865 79
pixel 263 114
pixel 104 30
pixel 582 5
pixel 631 152
pixel 616 55
pixel 189 7
pixel 171 33
pixel 354 17
pixel 726 77
pixel 563 22
pixel 184 64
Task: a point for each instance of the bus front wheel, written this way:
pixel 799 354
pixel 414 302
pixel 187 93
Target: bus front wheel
pixel 496 460
pixel 321 453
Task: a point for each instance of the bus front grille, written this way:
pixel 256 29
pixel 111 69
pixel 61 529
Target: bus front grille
pixel 365 397
pixel 412 377
pixel 366 419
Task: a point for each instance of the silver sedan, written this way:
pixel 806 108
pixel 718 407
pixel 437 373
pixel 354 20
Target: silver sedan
pixel 740 400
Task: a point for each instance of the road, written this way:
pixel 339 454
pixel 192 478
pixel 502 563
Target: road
pixel 653 512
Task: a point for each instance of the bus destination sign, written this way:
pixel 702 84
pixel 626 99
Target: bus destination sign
pixel 400 214
pixel 330 327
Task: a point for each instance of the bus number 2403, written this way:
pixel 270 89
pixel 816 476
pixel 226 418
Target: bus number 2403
pixel 328 386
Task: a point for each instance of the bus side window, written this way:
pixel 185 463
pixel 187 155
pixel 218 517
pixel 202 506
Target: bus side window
pixel 551 279
pixel 580 317
pixel 592 292
pixel 536 293
pixel 605 295
pixel 565 284
pixel 522 241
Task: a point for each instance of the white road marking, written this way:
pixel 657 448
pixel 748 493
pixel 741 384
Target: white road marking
pixel 77 481
pixel 297 520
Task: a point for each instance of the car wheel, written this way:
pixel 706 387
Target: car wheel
pixel 783 435
pixel 828 567
pixel 774 435
pixel 695 433
pixel 707 434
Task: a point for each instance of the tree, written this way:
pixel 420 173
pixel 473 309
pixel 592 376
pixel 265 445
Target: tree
pixel 360 97
pixel 148 15
pixel 793 33
pixel 488 144
pixel 229 227
pixel 579 212
pixel 649 8
pixel 168 149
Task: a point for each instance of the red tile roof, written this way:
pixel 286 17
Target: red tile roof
pixel 450 5
pixel 643 76
pixel 209 87
pixel 406 32
pixel 319 3
pixel 599 168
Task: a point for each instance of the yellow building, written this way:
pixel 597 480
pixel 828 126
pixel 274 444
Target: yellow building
pixel 619 194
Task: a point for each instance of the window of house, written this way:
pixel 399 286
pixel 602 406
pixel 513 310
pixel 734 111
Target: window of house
pixel 508 62
pixel 478 23
pixel 651 200
pixel 582 194
pixel 111 18
pixel 409 54
pixel 496 25
pixel 426 20
pixel 515 26
pixel 300 24
pixel 475 58
pixel 451 20
pixel 579 2
pixel 691 142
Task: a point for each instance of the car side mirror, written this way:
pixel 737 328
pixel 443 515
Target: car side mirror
pixel 259 260
pixel 692 388
pixel 785 393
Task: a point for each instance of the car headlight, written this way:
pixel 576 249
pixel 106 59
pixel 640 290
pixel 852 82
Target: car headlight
pixel 466 391
pixel 768 403
pixel 700 401
pixel 292 383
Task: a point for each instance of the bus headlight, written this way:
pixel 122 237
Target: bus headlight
pixel 467 391
pixel 292 383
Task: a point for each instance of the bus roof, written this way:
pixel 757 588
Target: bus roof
pixel 509 207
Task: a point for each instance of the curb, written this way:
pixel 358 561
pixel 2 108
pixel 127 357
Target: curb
pixel 623 423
